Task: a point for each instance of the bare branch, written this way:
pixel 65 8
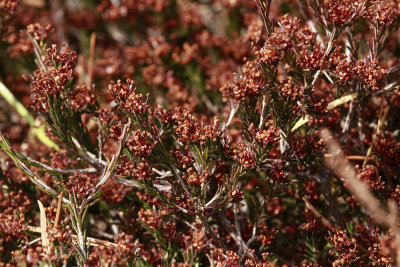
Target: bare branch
pixel 110 167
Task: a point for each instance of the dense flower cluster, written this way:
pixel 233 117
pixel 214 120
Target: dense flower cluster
pixel 9 5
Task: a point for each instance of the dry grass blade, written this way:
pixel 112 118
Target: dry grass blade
pixel 89 240
pixel 331 105
pixel 35 3
pixel 341 101
pixel 43 226
pixel 300 123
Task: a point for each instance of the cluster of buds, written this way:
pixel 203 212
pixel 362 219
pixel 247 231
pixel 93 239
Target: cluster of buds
pixel 141 143
pixel 9 5
pixel 346 12
pixel 56 71
pixel 193 178
pixel 245 154
pixel 371 73
pixel 81 97
pixel 290 90
pixel 38 31
pixel 382 13
pixel 250 83
pixel 344 245
pixel 80 184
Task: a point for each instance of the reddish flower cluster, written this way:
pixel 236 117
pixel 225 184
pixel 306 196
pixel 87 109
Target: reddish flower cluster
pixel 344 245
pixel 121 252
pixel 370 72
pixel 370 175
pixel 56 71
pixel 387 148
pixel 245 154
pixel 189 128
pixel 268 136
pixel 12 218
pixel 229 258
pixel 126 96
pixel 141 143
pixel 81 97
pixel 382 12
pixel 81 184
pixel 9 5
pixel 344 12
pixel 39 32
pixel 289 90
pixel 137 171
pixel 193 178
pixel 249 83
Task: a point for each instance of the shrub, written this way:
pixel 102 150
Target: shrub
pixel 195 133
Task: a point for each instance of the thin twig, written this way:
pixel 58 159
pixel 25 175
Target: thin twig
pixel 352 157
pixel 183 184
pixel 348 117
pixel 76 219
pixel 234 108
pixel 327 51
pixel 110 167
pixel 317 214
pixel 163 174
pixel 264 100
pixel 378 129
pixel 91 60
pixel 64 171
pixel 387 88
pixel 88 157
pixel 235 237
pixel 239 234
pixel 360 130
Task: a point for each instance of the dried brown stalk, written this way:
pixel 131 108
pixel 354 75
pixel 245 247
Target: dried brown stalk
pixel 89 240
pixel 343 169
pixel 58 212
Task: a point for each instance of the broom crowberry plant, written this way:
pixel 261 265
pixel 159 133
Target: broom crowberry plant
pixel 200 133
